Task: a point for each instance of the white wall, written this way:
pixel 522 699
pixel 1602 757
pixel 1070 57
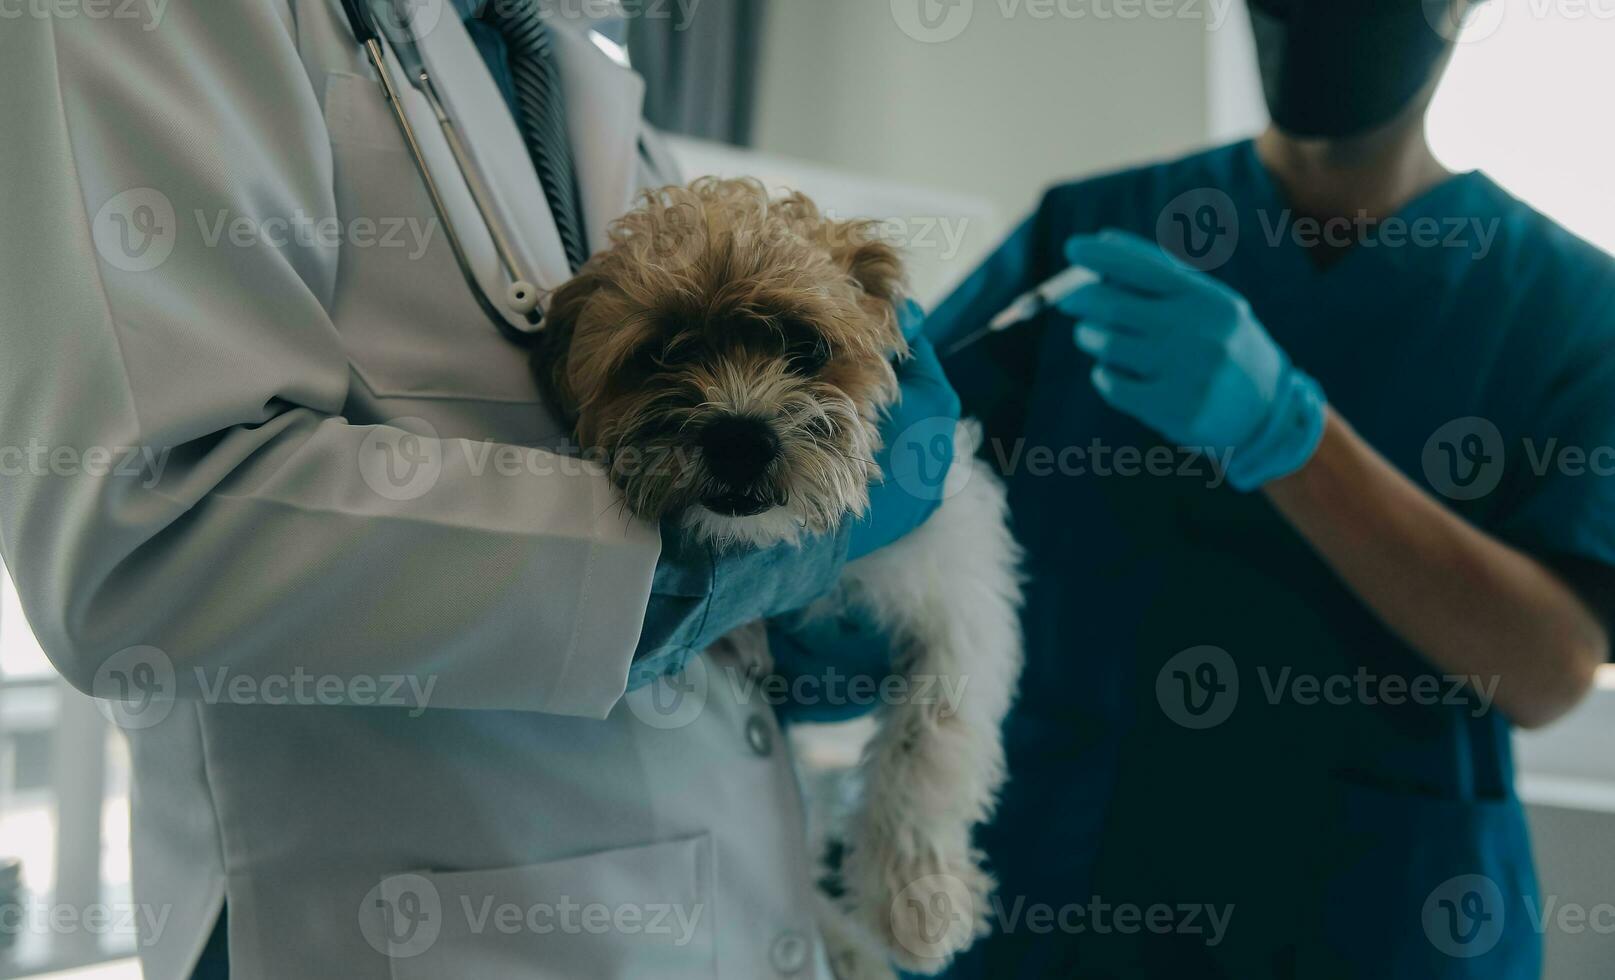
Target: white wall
pixel 1027 93
pixel 1234 103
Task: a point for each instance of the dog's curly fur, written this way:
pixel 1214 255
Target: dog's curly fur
pixel 716 302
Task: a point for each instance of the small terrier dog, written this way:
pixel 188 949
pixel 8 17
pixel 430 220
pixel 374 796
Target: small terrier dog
pixel 729 358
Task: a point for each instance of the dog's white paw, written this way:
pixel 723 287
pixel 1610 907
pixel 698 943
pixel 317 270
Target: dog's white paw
pixel 928 909
pixel 853 953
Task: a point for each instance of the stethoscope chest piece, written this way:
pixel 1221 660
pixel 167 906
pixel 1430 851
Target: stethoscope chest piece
pixel 521 295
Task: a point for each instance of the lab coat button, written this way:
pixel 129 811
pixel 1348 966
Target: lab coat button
pixel 758 735
pixel 790 953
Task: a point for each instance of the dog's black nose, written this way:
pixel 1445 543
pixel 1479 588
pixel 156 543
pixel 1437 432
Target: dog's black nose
pixel 738 449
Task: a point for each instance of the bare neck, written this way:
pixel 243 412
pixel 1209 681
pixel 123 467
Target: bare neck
pixel 1376 173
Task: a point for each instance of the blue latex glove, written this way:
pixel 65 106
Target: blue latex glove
pixel 833 666
pixel 918 445
pixel 1183 353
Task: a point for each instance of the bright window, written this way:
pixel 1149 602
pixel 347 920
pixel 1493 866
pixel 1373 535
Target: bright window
pixel 1527 99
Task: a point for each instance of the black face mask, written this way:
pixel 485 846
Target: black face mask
pixel 1338 68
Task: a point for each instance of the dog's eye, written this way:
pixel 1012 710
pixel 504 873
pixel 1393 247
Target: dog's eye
pixel 809 359
pixel 655 356
pixel 646 358
pixel 680 352
pixel 805 351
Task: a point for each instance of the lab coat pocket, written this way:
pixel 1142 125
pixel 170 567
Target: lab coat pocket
pixel 627 913
pixel 1427 887
pixel 406 316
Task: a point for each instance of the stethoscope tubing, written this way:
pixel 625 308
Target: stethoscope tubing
pixel 522 292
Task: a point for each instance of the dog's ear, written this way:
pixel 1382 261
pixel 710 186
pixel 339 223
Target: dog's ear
pixel 877 267
pixel 550 356
pixel 873 263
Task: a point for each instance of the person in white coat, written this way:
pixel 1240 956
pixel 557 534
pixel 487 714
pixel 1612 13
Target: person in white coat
pixel 276 487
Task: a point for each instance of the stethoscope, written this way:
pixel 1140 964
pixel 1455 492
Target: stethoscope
pixel 521 296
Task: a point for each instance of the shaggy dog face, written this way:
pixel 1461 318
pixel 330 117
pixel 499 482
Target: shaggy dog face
pixel 729 358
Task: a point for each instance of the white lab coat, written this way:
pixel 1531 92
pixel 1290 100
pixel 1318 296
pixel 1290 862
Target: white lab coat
pixel 155 291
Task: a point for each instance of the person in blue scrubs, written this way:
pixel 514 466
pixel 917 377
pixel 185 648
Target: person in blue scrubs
pixel 1308 488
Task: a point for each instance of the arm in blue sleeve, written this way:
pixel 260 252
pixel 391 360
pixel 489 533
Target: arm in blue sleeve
pixel 699 593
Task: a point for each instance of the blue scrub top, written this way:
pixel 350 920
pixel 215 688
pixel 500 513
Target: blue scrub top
pixel 1348 835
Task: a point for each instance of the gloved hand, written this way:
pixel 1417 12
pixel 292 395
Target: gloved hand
pixel 918 445
pixel 833 665
pixel 1183 353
